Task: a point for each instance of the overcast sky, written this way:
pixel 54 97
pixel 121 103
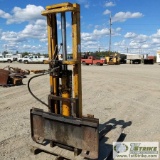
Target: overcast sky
pixel 135 25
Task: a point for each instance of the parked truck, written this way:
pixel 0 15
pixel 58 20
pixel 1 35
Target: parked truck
pixel 148 59
pixel 92 60
pixel 6 59
pixel 32 59
pixel 134 58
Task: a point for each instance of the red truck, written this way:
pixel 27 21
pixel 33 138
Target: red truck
pixel 91 60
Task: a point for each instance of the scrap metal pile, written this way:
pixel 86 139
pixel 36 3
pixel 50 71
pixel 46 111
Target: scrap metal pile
pixel 10 76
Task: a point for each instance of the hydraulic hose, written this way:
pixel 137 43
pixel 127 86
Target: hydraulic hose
pixel 29 89
pixel 42 74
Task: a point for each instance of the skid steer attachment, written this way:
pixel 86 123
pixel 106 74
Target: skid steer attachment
pixel 81 134
pixel 63 124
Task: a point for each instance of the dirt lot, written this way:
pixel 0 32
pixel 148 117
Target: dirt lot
pixel 127 95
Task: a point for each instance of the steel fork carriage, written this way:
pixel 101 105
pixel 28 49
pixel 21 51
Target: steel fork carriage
pixel 63 124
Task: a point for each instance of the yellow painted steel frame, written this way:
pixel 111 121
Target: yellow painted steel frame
pixel 50 13
pixel 63 125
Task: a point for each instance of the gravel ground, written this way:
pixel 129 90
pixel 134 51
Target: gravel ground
pixel 128 95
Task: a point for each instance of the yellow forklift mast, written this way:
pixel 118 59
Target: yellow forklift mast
pixel 63 124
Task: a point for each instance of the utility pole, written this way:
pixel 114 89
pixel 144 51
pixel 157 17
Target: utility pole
pixel 6 47
pixel 110 33
pixel 99 49
pixel 127 49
